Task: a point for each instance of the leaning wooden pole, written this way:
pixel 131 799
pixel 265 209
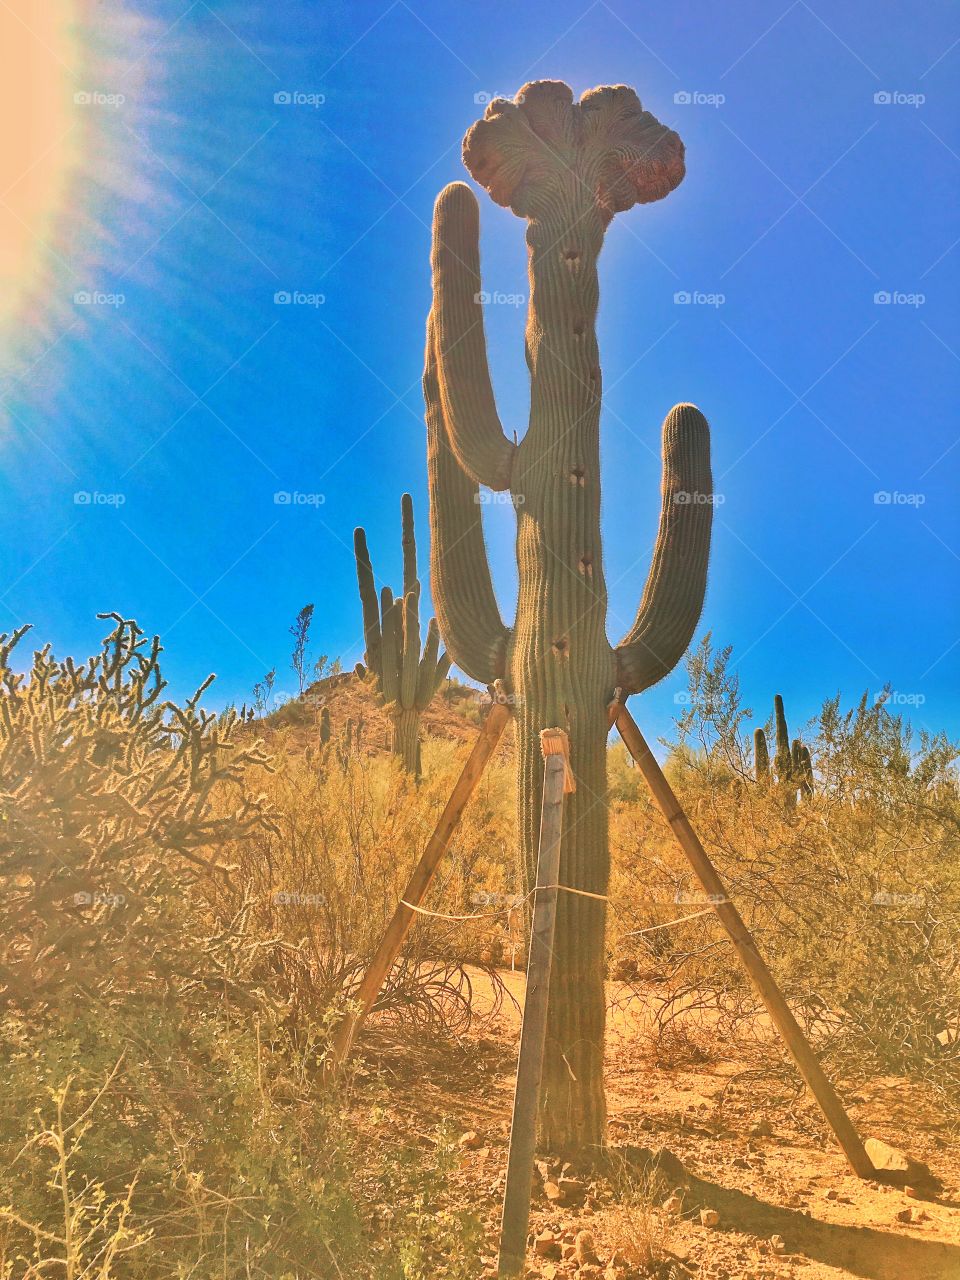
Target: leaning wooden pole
pixel 557 780
pixel 399 926
pixel 745 947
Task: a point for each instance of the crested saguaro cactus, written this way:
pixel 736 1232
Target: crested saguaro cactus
pixel 566 168
pixel 406 678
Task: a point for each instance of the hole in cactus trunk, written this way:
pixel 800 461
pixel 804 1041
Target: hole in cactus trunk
pixel 561 647
pixel 586 566
pixel 578 475
pixel 578 329
pixel 571 255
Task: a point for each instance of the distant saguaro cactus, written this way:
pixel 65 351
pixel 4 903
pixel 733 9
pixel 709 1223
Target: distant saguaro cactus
pixel 406 679
pixel 792 762
pixel 566 168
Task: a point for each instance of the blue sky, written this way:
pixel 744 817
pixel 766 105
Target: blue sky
pixel 198 397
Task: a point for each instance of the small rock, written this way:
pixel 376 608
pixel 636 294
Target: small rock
pixel 583 1249
pixel 912 1214
pixel 546 1245
pixel 778 1244
pixel 832 1194
pixel 709 1217
pixel 470 1141
pixel 550 1271
pixel 896 1165
pixel 572 1190
pixel 673 1205
pixel 912 1192
pixel 762 1129
pixel 552 1191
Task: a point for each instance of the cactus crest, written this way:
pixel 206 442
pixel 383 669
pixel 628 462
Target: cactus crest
pixel 567 168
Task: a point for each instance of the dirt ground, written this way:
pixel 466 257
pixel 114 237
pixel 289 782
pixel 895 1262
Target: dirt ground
pixel 752 1151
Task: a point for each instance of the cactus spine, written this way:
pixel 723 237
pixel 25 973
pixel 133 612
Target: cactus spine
pixel 566 168
pixel 406 678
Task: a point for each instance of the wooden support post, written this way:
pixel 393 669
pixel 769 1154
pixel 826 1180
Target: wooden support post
pixel 416 889
pixel 558 779
pixel 745 947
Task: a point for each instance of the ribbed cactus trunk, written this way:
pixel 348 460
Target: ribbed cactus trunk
pixel 566 168
pixel 561 666
pixel 406 740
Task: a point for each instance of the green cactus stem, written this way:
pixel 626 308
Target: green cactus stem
pixel 783 760
pixel 802 767
pixel 566 168
pixel 761 756
pixel 405 677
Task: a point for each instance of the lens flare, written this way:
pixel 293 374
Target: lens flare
pixel 39 143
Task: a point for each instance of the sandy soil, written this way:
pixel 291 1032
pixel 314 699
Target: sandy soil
pixel 786 1201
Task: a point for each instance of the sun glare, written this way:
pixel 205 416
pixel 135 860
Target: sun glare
pixel 38 144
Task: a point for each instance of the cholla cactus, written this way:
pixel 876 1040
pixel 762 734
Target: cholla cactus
pixel 110 812
pixel 406 679
pixel 566 168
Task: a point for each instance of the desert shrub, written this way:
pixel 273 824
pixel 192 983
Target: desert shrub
pixel 146 1146
pixel 853 894
pixel 323 881
pixel 113 802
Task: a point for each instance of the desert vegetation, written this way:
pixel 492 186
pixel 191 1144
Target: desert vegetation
pixel 188 901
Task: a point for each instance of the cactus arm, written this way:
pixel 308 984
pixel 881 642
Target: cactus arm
pixel 410 659
pixel 426 677
pixel 784 757
pixel 467 612
pixel 466 393
pixel 443 667
pixel 761 756
pixel 390 665
pixel 673 596
pixel 368 600
pixel 408 542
